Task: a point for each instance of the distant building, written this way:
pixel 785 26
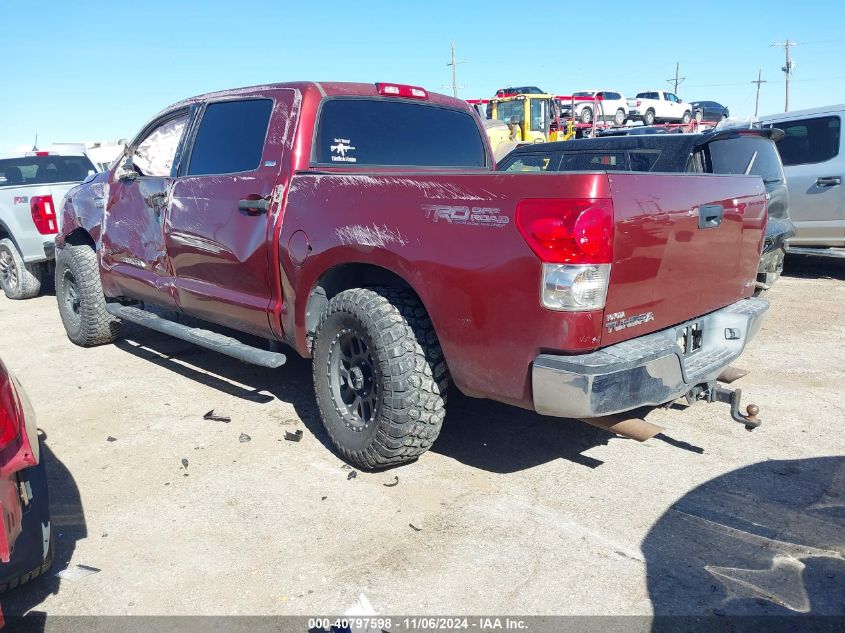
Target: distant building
pixel 101 153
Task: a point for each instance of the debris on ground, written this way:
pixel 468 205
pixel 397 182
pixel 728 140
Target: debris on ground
pixel 244 438
pixel 111 439
pixel 394 484
pixel 323 498
pixel 352 475
pixel 77 572
pixel 216 418
pixel 414 527
pixel 345 467
pixel 293 437
pixel 185 462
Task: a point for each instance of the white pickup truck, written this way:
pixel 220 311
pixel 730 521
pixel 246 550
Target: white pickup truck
pixel 659 106
pixel 31 185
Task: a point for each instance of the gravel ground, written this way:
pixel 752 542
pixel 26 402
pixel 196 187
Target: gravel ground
pixel 510 513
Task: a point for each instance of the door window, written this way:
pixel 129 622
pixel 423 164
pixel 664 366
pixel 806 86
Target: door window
pixel 809 140
pixel 153 156
pixel 230 138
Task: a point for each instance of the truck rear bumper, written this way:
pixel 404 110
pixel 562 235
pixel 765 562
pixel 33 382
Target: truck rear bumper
pixel 645 371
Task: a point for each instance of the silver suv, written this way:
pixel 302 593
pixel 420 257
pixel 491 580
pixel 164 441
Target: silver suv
pixel 32 186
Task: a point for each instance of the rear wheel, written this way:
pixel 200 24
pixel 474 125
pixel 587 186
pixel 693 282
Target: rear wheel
pixel 686 118
pixel 379 376
pixel 648 117
pixel 699 115
pixel 18 279
pixel 79 293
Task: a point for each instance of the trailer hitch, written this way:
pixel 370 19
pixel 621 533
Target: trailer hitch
pixel 716 393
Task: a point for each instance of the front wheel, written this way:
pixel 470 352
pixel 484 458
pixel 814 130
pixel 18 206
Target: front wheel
pixel 379 376
pixel 686 118
pixel 18 279
pixel 79 292
pixel 648 117
pixel 586 115
pixel 619 119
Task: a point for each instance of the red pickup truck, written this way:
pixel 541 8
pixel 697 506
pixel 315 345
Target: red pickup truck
pixel 363 225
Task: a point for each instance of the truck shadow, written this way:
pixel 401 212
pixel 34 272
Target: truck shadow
pixel 809 267
pixel 480 433
pixel 764 540
pixel 69 526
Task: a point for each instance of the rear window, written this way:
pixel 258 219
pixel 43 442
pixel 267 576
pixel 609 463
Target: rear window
pixel 749 155
pixel 43 170
pixel 648 95
pixel 809 140
pixel 589 161
pixel 530 163
pixel 397 133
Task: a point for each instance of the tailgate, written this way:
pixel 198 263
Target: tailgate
pixel 674 259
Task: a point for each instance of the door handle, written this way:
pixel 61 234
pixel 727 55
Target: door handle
pixel 710 216
pixel 830 181
pixel 254 207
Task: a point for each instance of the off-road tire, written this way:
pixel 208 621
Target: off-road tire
pixel 18 279
pixel 34 573
pixel 89 324
pixel 648 117
pixel 407 365
pixel 586 115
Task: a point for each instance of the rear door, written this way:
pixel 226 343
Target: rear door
pixel 814 164
pixel 222 207
pixel 684 245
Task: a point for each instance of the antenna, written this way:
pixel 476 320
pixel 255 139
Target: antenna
pixel 35 145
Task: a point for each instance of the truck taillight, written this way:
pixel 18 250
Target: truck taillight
pixel 574 241
pixel 639 103
pixel 401 90
pixel 44 214
pixel 10 413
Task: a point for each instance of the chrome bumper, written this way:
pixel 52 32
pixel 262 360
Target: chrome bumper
pixel 649 370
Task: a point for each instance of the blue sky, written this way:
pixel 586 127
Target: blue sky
pixel 85 71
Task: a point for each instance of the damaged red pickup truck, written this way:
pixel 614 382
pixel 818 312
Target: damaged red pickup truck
pixel 363 226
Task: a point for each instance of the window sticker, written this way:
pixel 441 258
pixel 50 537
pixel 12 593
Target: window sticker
pixel 339 150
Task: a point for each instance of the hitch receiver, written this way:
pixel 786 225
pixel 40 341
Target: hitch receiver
pixel 716 393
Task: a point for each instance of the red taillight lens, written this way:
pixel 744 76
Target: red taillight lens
pixel 639 103
pixel 401 90
pixel 577 231
pixel 9 409
pixel 44 214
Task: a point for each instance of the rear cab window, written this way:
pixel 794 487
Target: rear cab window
pixel 44 170
pixel 531 163
pixel 355 132
pixel 745 155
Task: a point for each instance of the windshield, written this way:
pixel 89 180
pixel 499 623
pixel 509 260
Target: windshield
pixel 44 170
pixel 507 110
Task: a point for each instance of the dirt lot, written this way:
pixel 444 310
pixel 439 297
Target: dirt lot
pixel 512 513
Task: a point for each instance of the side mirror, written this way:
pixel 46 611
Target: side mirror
pixel 126 170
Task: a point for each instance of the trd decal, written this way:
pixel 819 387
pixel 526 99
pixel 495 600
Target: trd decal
pixel 472 216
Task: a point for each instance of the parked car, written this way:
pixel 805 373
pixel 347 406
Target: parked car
pixel 814 163
pixel 730 151
pixel 400 262
pixel 31 184
pixel 711 111
pixel 26 538
pixel 518 90
pixel 659 106
pixel 614 107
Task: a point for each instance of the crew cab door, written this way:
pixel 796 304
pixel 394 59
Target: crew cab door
pixel 133 255
pixel 220 226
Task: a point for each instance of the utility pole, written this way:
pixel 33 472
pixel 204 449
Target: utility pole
pixel 454 64
pixel 787 68
pixel 677 80
pixel 759 81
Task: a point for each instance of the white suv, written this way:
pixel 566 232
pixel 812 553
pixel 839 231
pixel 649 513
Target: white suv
pixel 612 106
pixel 32 186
